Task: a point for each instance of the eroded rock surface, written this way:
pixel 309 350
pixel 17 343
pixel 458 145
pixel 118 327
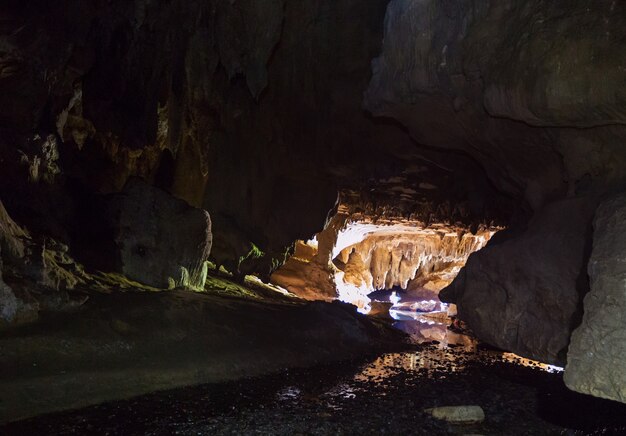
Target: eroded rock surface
pixel 8 301
pixel 508 83
pixel 130 343
pixel 523 293
pixel 392 257
pixel 161 240
pixel 35 274
pixel 533 92
pixel 595 359
pixel 357 254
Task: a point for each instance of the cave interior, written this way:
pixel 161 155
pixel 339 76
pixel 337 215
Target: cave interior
pixel 198 193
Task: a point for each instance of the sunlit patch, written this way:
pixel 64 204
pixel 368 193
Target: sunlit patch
pixel 257 281
pixel 518 360
pixel 312 242
pixel 349 293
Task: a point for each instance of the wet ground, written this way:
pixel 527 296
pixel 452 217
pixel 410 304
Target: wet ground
pixel 385 394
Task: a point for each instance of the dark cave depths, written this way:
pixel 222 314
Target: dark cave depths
pixel 320 217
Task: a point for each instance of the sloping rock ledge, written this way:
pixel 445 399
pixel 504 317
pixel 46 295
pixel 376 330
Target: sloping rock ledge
pixel 126 344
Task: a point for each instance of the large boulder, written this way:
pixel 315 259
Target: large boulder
pixel 595 360
pixel 523 292
pixel 160 240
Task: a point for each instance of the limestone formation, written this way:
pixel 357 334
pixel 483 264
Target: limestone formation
pixel 161 241
pixel 425 257
pixel 595 359
pixel 353 257
pixel 477 113
pixel 522 293
pixel 458 414
pixel 462 75
pixel 304 276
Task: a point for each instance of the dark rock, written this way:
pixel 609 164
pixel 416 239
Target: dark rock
pixel 461 75
pixel 160 240
pixel 8 302
pixel 129 343
pixel 595 360
pixel 524 293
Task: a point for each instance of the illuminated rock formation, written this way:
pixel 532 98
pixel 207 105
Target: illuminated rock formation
pixel 306 277
pixel 396 256
pixel 595 359
pixel 477 113
pixel 354 256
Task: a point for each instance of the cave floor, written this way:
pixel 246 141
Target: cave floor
pixel 383 394
pixel 124 344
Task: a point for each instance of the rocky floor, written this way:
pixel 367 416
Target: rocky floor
pixel 385 394
pixel 125 344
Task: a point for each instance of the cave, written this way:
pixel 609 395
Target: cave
pixel 312 217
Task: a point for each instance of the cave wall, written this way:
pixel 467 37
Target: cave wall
pixel 248 109
pixel 251 110
pixel 534 91
pixel 254 111
pixel 595 358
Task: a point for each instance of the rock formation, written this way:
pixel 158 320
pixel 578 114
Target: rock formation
pixel 357 254
pixel 161 241
pixel 8 302
pixel 530 91
pixel 595 359
pixel 393 257
pixel 523 293
pixel 457 113
pixel 509 83
pixel 35 274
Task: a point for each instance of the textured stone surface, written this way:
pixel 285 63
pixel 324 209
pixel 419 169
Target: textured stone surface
pixel 386 257
pixel 523 293
pixel 175 92
pixel 458 414
pixel 38 273
pixel 129 343
pixel 506 82
pixel 357 254
pixel 534 92
pixel 160 240
pixel 8 301
pixel 595 359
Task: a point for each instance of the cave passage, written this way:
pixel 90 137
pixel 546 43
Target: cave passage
pixel 363 257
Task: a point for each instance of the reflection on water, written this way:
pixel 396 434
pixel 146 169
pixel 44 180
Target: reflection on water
pixel 447 351
pixel 431 327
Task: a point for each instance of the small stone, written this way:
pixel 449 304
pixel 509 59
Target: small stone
pixel 458 414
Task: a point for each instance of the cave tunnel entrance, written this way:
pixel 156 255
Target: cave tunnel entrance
pixel 389 267
pixel 361 259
